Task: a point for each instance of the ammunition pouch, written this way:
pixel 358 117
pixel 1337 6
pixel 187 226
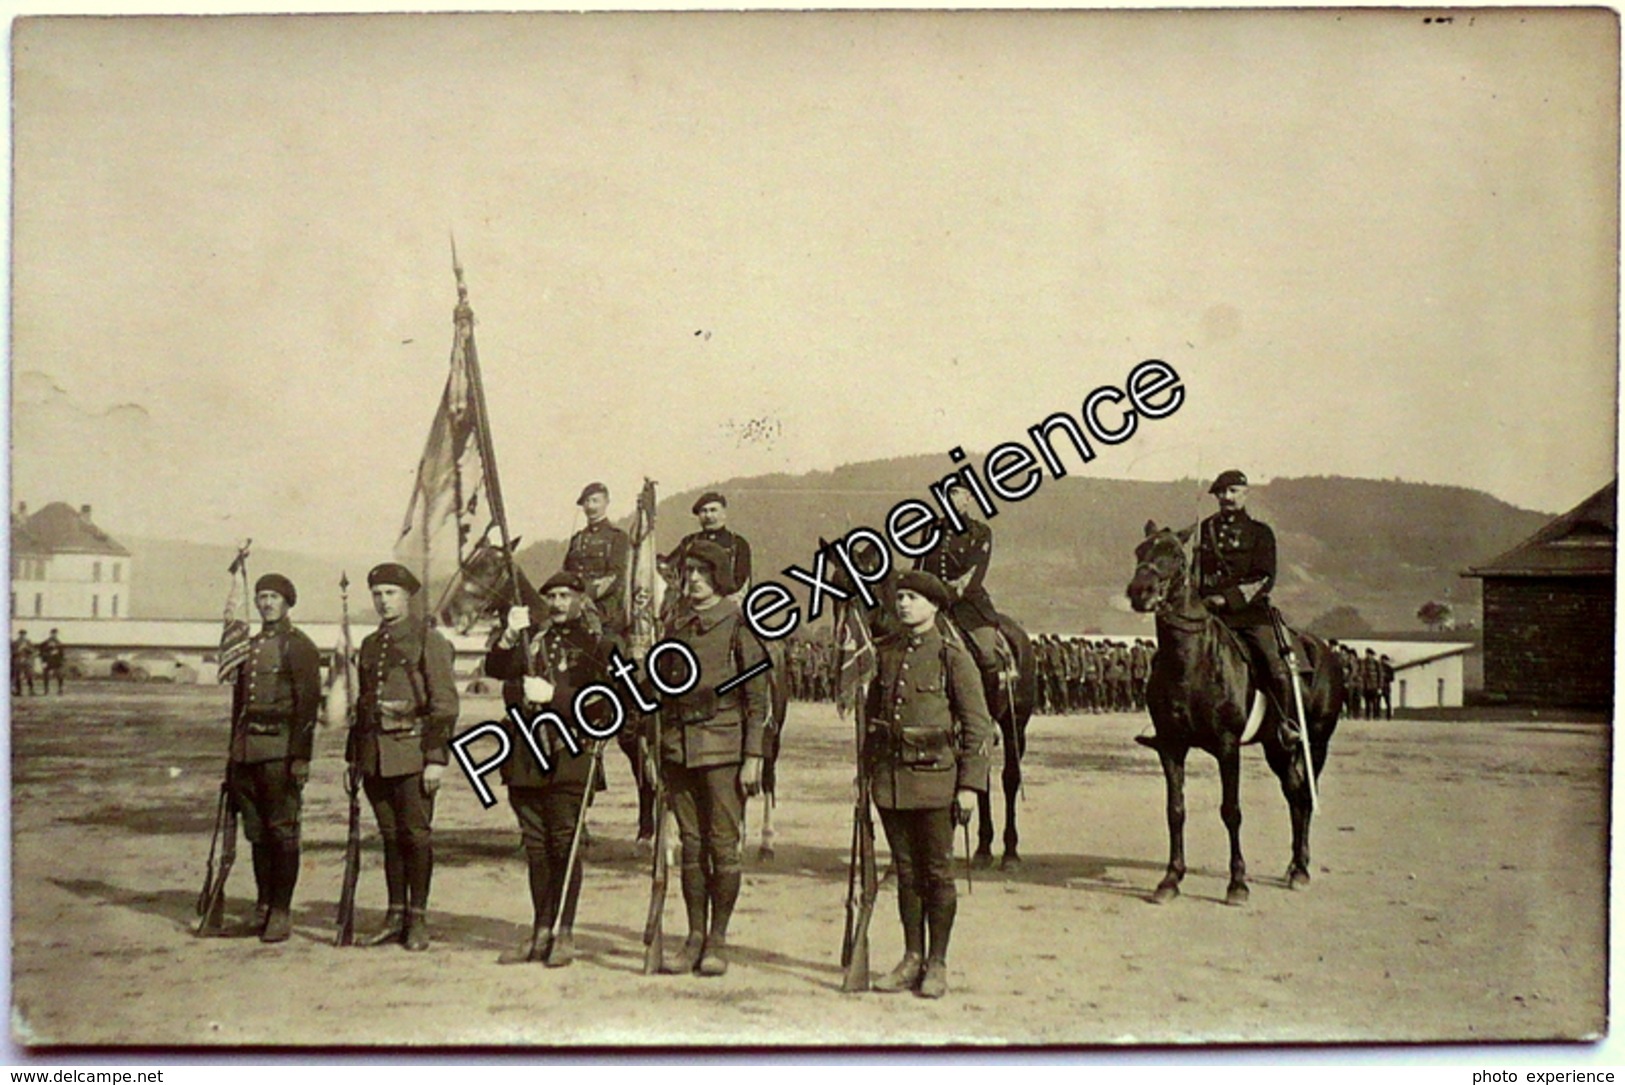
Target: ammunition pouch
pixel 399 718
pixel 913 747
pixel 695 707
pixel 261 722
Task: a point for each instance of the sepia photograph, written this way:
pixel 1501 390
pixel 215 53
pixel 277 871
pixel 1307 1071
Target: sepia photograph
pixel 864 530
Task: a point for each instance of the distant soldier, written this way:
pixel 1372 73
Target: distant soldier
pixel 961 561
pixel 1387 686
pixel 1371 683
pixel 406 710
pixel 600 554
pixel 273 729
pixel 926 755
pixel 1236 570
pixel 710 755
pixel 712 512
pixel 1350 662
pixel 53 657
pixel 1093 675
pixel 22 664
pixel 564 657
pixel 1139 671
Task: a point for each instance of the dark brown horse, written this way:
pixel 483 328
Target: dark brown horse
pixel 1202 694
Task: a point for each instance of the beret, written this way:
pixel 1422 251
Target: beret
pixel 393 572
pixel 563 579
pixel 924 584
pixel 278 583
pixel 717 559
pixel 590 489
pixel 1226 480
pixel 705 499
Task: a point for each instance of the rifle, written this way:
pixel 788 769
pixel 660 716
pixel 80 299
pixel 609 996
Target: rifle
pixel 861 873
pixel 654 934
pixel 352 787
pixel 211 900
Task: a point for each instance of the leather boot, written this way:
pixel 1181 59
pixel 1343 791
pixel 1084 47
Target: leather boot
pixel 714 958
pixel 278 926
pixel 685 959
pixel 905 977
pixel 563 951
pixel 533 951
pixel 934 983
pixel 417 930
pixel 393 930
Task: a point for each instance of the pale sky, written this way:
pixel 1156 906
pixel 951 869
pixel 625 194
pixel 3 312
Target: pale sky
pixel 702 246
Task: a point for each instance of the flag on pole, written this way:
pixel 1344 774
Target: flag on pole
pixel 235 632
pixel 857 656
pixel 455 504
pixel 645 587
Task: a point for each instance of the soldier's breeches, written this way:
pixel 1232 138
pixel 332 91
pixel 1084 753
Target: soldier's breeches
pixel 267 802
pixel 547 822
pixel 404 816
pixel 709 807
pixel 922 843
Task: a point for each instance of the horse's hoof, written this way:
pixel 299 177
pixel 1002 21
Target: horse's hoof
pixel 983 860
pixel 1164 894
pixel 1147 740
pixel 1011 861
pixel 1297 878
pixel 764 854
pixel 1236 895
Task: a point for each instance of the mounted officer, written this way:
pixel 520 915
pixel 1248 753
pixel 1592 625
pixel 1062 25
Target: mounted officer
pixel 405 712
pixel 544 659
pixel 600 553
pixel 273 728
pixel 1235 572
pixel 961 561
pixel 712 511
pixel 710 755
pixel 926 753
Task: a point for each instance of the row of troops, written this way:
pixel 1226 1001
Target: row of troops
pixel 1076 674
pixel 29 660
pixel 1368 683
pixel 926 754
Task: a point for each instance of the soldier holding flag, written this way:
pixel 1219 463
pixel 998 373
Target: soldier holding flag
pixel 406 711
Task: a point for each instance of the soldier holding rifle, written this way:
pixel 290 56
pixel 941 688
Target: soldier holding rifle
pixel 544 660
pixel 273 727
pixel 926 756
pixel 405 713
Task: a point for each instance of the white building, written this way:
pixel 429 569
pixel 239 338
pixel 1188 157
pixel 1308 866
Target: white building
pixel 1427 674
pixel 64 566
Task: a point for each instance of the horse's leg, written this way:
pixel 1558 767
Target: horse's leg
pixel 1014 746
pixel 984 830
pixel 1287 764
pixel 1230 814
pixel 1173 772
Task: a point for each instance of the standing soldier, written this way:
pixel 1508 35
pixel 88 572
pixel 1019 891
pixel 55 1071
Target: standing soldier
pixel 1139 660
pixel 54 659
pixel 1236 570
pixel 926 754
pixel 712 511
pixel 22 664
pixel 273 728
pixel 961 562
pixel 1371 680
pixel 600 553
pixel 405 713
pixel 1387 686
pixel 1093 695
pixel 544 661
pixel 711 747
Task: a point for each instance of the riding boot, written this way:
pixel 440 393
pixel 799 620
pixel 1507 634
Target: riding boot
pixel 417 929
pixel 563 949
pixel 724 895
pixel 696 902
pixel 284 867
pixel 939 917
pixel 906 976
pixel 393 930
pixel 418 862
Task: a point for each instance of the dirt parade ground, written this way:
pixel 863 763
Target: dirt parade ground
pixel 1460 893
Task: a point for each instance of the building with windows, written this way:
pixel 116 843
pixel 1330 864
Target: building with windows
pixel 64 566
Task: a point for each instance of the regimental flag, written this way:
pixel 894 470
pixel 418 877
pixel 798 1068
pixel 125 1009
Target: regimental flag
pixel 235 633
pixel 645 587
pixel 857 655
pixel 455 504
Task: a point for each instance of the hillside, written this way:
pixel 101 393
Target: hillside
pixel 1061 558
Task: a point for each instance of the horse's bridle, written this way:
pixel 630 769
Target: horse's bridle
pixel 1163 610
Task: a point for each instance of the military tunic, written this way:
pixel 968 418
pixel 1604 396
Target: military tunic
pixel 570 657
pixel 929 731
pixel 407 704
pixel 602 550
pixel 1236 551
pixel 957 555
pixel 274 702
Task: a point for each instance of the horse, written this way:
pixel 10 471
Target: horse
pixel 1202 694
pixel 1010 702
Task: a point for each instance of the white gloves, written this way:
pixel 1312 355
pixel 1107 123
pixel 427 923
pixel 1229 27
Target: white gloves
pixel 538 690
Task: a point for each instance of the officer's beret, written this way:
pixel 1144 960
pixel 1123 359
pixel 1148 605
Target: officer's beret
pixel 705 499
pixel 278 583
pixel 1228 479
pixel 924 584
pixel 716 558
pixel 563 579
pixel 393 572
pixel 592 488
